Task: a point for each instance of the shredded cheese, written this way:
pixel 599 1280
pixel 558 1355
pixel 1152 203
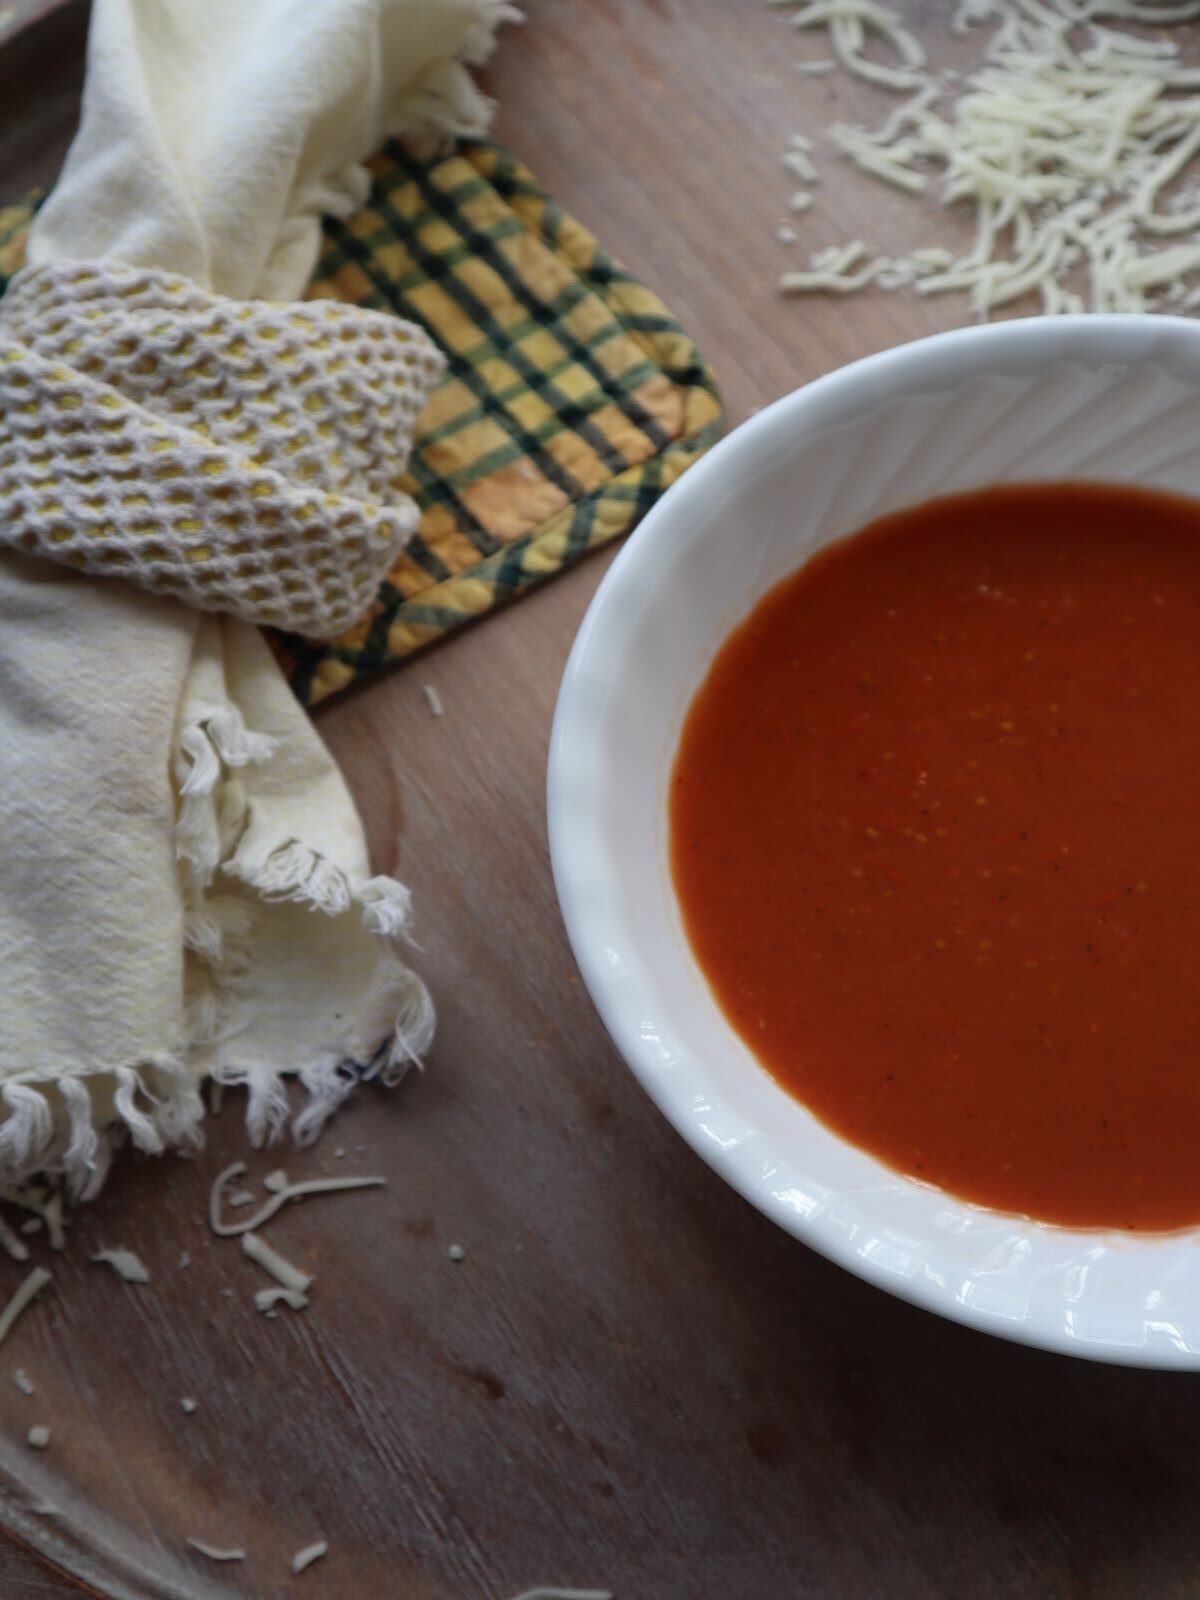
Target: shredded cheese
pixel 310 1553
pixel 29 1290
pixel 282 1193
pixel 53 1215
pixel 216 1552
pixel 187 1405
pixel 565 1594
pixel 1072 143
pixel 267 1299
pixel 800 166
pixel 46 1207
pixel 9 1240
pixel 849 22
pixel 456 1253
pixel 125 1264
pixel 23 1381
pixel 835 282
pixel 278 1266
pixel 434 700
pixel 38 1437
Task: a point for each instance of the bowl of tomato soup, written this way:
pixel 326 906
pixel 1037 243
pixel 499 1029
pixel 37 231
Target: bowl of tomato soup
pixel 874 794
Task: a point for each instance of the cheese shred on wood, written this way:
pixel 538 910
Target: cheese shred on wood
pixel 267 1299
pixel 279 1267
pixel 29 1289
pixel 125 1264
pixel 1073 145
pixel 565 1594
pixel 281 1192
pixel 218 1552
pixel 311 1552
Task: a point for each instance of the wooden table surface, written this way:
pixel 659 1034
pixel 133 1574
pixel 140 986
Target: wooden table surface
pixel 633 1381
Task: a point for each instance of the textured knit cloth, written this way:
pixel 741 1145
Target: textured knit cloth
pixel 241 457
pixel 184 889
pixel 572 397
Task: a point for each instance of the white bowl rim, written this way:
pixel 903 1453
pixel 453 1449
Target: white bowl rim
pixel 933 361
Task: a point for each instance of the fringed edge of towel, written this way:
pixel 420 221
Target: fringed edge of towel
pixel 449 104
pixel 443 105
pixel 212 840
pixel 329 1079
pixel 66 1123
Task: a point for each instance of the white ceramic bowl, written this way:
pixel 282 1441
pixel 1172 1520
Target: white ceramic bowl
pixel 1113 399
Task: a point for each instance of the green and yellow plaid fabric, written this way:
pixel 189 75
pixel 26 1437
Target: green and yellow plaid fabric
pixel 572 398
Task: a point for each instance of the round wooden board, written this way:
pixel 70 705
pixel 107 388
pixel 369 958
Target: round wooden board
pixel 632 1382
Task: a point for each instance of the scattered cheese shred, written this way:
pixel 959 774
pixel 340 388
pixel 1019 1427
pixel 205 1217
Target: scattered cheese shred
pixel 1072 143
pixel 267 1299
pixel 216 1553
pixel 278 1266
pixel 434 700
pixel 565 1594
pixel 32 1286
pixel 46 1206
pixel 187 1405
pixel 38 1437
pixel 125 1264
pixel 53 1215
pixel 800 166
pixel 282 1193
pixel 15 1247
pixel 310 1553
pixel 849 22
pixel 23 1381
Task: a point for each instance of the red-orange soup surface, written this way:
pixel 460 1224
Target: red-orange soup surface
pixel 935 833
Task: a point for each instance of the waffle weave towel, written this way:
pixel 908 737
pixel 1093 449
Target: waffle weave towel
pixel 184 454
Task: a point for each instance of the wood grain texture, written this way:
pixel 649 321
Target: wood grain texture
pixel 18 15
pixel 41 73
pixel 632 1381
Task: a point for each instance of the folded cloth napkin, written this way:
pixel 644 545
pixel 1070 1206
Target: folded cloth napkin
pixel 184 454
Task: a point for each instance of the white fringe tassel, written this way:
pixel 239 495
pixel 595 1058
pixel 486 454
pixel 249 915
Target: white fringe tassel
pixel 449 104
pixel 66 1126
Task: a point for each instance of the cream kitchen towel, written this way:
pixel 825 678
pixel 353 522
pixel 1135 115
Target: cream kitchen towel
pixel 184 887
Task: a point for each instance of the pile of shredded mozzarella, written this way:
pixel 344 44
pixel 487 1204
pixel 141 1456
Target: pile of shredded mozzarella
pixel 1072 143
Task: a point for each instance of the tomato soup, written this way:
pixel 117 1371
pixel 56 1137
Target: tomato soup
pixel 935 834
